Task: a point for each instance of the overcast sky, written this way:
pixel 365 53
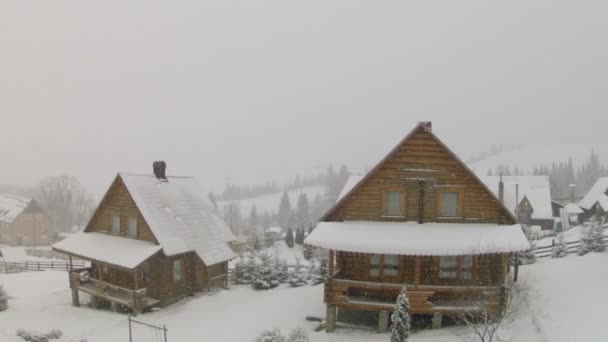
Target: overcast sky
pixel 246 91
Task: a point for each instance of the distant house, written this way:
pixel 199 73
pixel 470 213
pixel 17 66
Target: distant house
pixel 152 241
pixel 593 201
pixel 421 219
pixel 528 198
pixel 273 233
pixel 573 211
pixel 23 222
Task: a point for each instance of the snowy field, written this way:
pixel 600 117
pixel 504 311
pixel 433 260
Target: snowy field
pixel 41 301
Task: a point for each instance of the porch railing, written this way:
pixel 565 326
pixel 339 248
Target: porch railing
pixel 424 299
pixel 137 300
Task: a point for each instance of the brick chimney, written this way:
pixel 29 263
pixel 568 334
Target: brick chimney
pixel 426 125
pixel 159 168
pixel 501 190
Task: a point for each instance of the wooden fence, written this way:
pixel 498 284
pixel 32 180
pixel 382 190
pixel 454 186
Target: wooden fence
pixel 547 251
pixel 13 267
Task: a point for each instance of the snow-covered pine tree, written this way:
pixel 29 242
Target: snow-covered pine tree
pixel 298 335
pixel 289 238
pixel 586 244
pixel 560 249
pixel 528 256
pixel 3 299
pixel 256 244
pixel 597 237
pixel 400 319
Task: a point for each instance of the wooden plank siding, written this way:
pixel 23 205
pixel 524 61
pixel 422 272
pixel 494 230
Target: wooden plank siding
pixel 421 157
pixel 118 201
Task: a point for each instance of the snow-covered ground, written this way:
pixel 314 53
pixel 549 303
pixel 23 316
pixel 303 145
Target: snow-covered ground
pixel 566 303
pixel 270 203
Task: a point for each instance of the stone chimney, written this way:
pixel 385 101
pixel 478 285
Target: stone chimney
pixel 426 125
pixel 159 168
pixel 501 190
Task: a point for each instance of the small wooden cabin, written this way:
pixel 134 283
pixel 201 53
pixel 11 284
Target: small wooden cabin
pixel 152 241
pixel 23 222
pixel 594 201
pixel 420 219
pixel 528 198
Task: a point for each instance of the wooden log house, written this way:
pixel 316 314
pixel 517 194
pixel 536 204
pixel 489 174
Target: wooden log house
pixel 420 219
pixel 152 241
pixel 23 222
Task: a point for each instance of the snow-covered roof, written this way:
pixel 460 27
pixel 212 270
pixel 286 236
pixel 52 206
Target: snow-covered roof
pixel 410 238
pixel 13 254
pixel 349 185
pixel 598 189
pixel 11 206
pixel 603 202
pixel 115 250
pixel 536 188
pixel 276 230
pixel 573 209
pixel 181 218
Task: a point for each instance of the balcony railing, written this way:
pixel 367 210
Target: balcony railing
pixel 424 299
pixel 137 300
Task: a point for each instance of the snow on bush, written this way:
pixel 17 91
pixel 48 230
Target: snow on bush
pixel 592 239
pixel 54 334
pixel 560 249
pixel 275 335
pixel 318 274
pixel 528 256
pixel 3 299
pixel 400 319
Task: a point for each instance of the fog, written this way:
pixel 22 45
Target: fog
pixel 248 91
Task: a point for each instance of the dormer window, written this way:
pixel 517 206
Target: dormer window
pixel 132 227
pixel 450 204
pixel 394 203
pixel 116 224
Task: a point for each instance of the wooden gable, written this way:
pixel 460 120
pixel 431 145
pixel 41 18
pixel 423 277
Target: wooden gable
pixel 118 201
pixel 422 169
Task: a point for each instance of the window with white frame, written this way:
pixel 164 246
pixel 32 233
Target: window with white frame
pixel 450 202
pixel 393 203
pixel 132 227
pixel 116 224
pixel 178 270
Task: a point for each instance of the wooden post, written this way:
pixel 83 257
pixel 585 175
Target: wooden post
pixel 71 265
pixel 516 267
pixel 383 319
pixel 74 288
pixel 330 319
pixel 136 306
pixel 417 271
pixel 330 264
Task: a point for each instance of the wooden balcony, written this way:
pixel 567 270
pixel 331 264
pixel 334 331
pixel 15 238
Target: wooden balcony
pixel 424 299
pixel 137 300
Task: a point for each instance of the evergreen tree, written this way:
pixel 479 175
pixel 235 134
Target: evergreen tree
pixel 289 238
pixel 284 211
pixel 560 249
pixel 302 211
pixel 256 244
pixel 400 319
pixel 3 299
pixel 253 219
pixel 212 199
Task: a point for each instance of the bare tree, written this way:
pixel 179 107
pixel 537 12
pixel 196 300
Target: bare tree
pixel 484 324
pixel 66 202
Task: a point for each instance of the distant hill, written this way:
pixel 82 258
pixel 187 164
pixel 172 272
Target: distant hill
pixel 528 158
pixel 270 203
